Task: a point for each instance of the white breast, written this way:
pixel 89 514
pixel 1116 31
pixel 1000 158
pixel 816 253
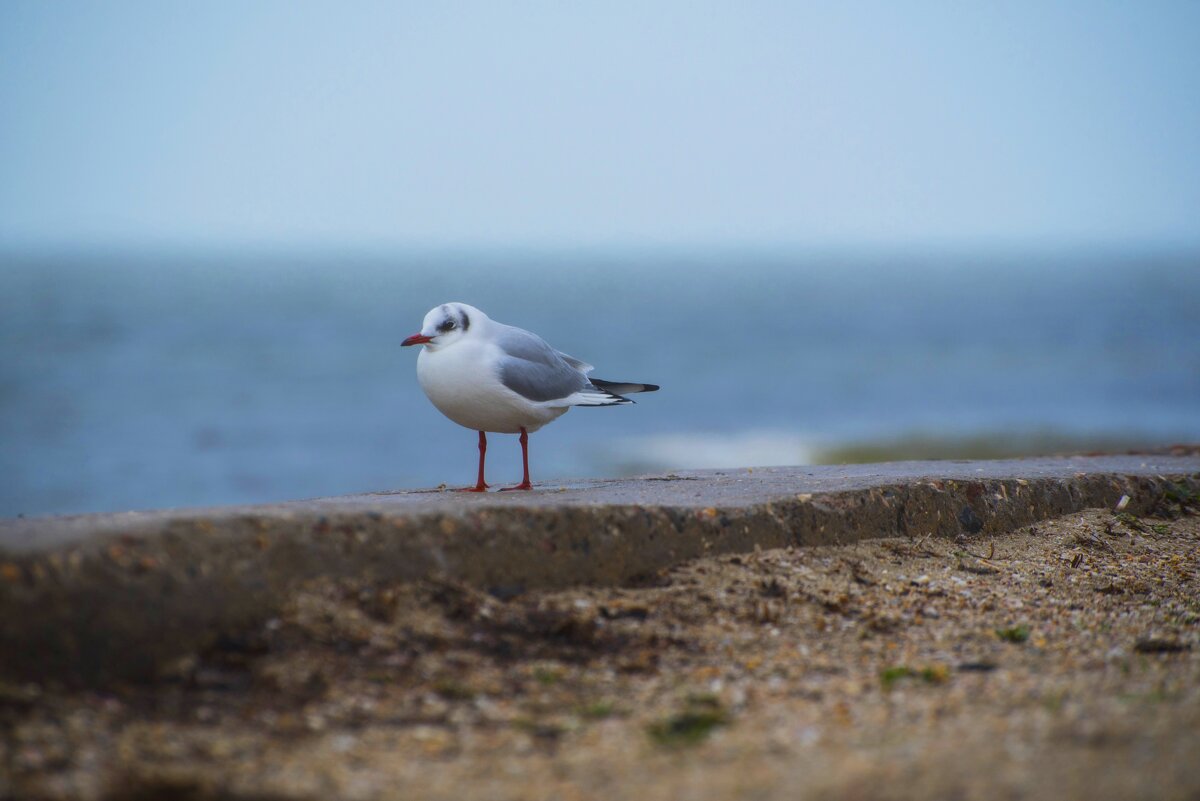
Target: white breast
pixel 462 382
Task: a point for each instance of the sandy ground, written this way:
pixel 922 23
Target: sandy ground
pixel 1060 661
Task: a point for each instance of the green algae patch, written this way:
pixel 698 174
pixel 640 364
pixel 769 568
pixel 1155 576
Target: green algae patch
pixel 690 726
pixel 1014 634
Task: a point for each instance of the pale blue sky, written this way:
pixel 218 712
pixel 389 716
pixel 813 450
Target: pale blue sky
pixel 392 124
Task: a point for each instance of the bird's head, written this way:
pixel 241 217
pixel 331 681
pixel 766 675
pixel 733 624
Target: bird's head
pixel 445 325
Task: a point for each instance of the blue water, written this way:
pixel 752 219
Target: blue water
pixel 134 381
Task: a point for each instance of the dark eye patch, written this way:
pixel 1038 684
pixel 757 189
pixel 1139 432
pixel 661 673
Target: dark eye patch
pixel 447 325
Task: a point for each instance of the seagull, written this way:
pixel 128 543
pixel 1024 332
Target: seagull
pixel 488 376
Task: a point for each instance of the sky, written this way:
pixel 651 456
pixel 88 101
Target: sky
pixel 393 124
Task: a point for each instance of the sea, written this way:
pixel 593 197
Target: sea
pixel 158 378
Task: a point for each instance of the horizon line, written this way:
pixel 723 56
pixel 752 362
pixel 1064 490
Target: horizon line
pixel 978 246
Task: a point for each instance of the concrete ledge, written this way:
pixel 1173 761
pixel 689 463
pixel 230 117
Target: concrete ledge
pixel 97 598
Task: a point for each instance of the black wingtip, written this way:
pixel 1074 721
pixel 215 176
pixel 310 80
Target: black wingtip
pixel 622 387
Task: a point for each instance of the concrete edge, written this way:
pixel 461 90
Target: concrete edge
pixel 128 608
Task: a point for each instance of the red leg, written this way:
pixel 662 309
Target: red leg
pixel 479 486
pixel 524 485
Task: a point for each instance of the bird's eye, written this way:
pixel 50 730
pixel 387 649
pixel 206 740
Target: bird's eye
pixel 447 325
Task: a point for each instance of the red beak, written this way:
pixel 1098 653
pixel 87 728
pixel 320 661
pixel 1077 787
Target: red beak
pixel 416 339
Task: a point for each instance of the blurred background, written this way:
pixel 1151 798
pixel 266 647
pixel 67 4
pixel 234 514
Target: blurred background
pixel 831 232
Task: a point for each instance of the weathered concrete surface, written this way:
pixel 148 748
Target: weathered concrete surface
pixel 93 598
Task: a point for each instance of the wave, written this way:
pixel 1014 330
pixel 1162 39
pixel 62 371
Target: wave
pixel 702 450
pixel 769 448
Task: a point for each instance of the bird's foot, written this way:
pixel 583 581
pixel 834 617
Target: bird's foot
pixel 524 485
pixel 476 488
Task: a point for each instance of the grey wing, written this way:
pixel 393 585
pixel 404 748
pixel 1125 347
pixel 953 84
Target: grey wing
pixel 578 364
pixel 534 370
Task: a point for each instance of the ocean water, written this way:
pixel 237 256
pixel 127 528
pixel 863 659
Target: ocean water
pixel 159 380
